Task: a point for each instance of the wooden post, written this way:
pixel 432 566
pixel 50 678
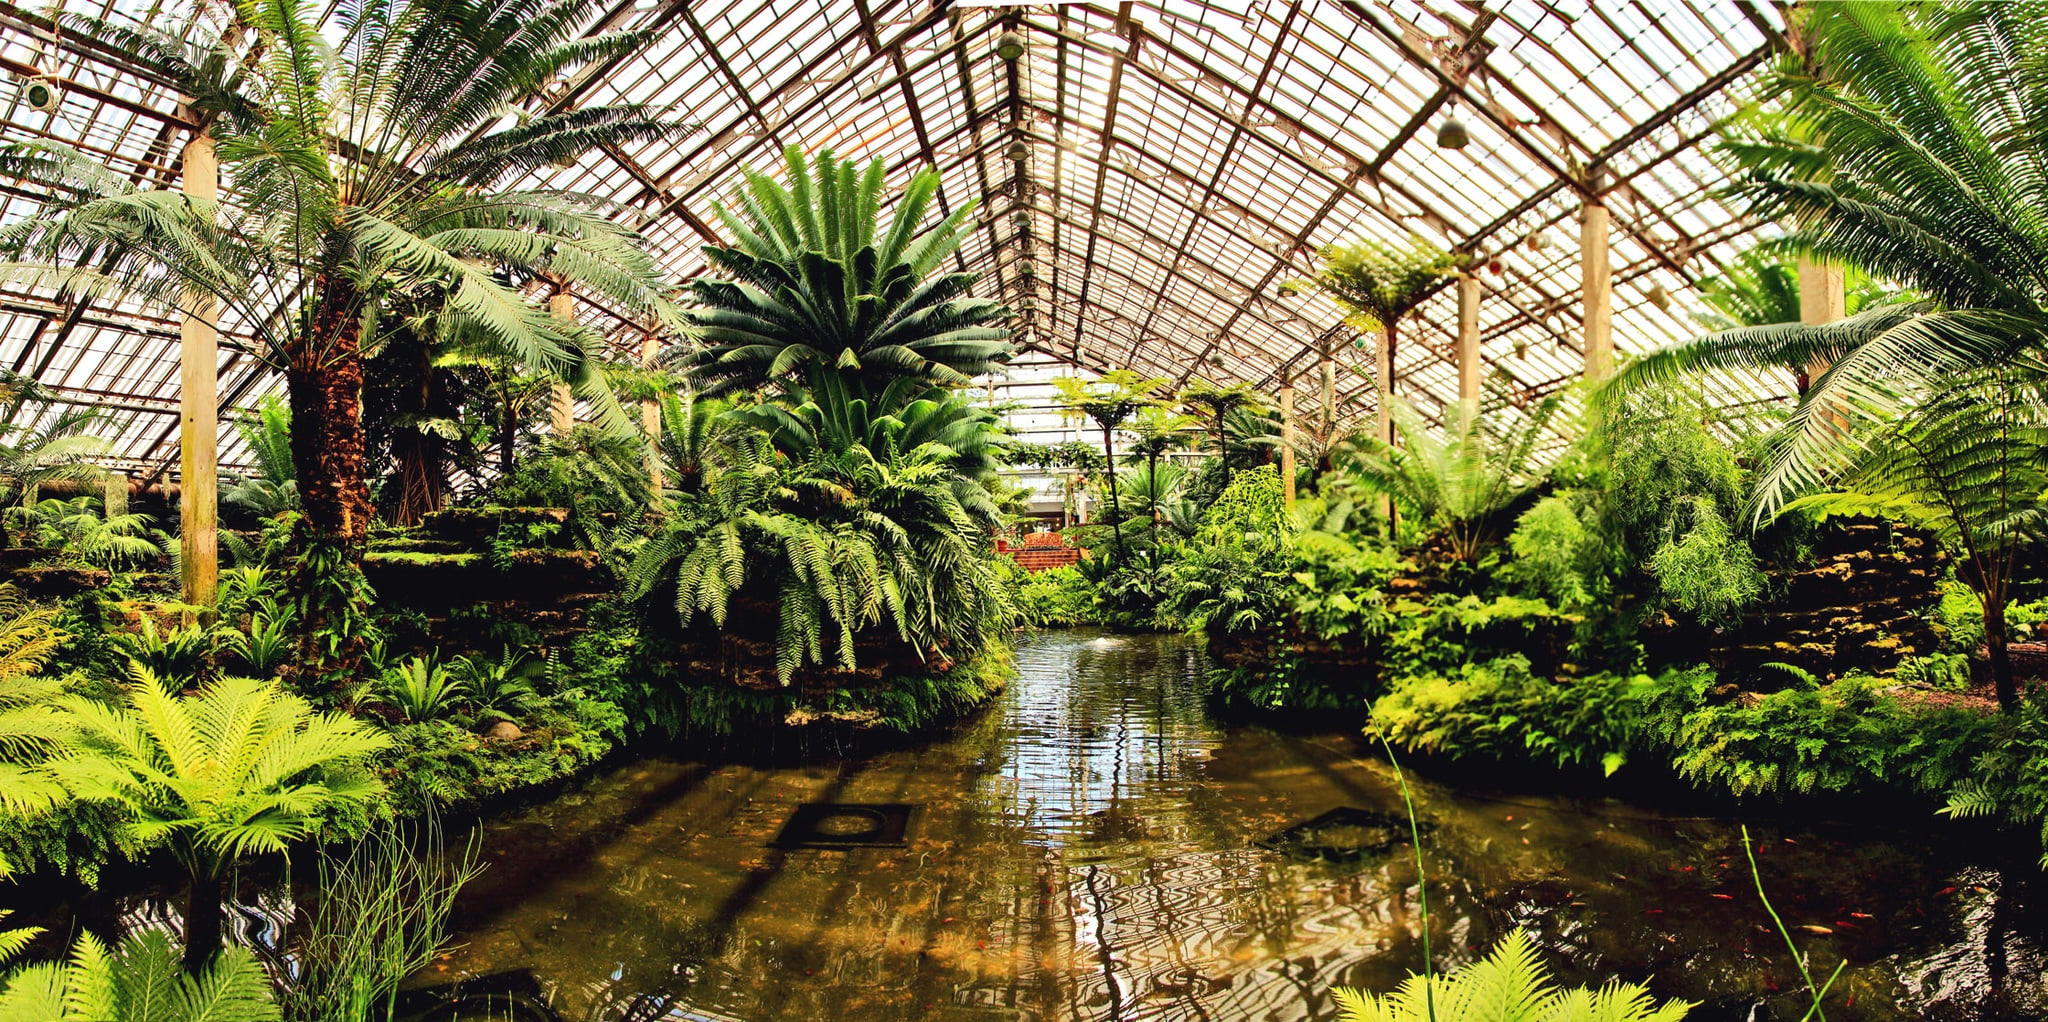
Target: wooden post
pixel 650 416
pixel 1287 445
pixel 1823 293
pixel 1468 344
pixel 114 494
pixel 199 408
pixel 562 410
pixel 1329 401
pixel 1597 276
pixel 1383 378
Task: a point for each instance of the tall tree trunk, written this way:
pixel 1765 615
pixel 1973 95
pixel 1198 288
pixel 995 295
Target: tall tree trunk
pixel 330 456
pixel 1996 648
pixel 1116 525
pixel 329 451
pixel 202 922
pixel 422 483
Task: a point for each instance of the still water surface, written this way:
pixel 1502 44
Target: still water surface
pixel 1086 849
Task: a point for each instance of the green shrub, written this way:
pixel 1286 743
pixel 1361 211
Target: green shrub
pixel 1055 598
pixel 440 762
pixel 1499 709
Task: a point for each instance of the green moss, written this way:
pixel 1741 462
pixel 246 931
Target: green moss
pixel 422 559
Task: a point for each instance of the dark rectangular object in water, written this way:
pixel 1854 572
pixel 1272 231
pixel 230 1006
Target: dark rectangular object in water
pixel 845 825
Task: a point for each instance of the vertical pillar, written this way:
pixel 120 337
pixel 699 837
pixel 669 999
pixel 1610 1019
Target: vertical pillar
pixel 650 417
pixel 199 408
pixel 1823 292
pixel 1287 445
pixel 1329 398
pixel 562 410
pixel 1468 345
pixel 1383 378
pixel 114 494
pixel 1597 277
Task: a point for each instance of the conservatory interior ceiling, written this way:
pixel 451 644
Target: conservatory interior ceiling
pixel 1147 174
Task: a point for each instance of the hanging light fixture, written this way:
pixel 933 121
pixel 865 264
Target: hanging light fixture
pixel 1019 151
pixel 1010 45
pixel 1660 297
pixel 1451 134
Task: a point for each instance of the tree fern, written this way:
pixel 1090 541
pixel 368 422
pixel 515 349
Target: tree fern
pixel 1509 985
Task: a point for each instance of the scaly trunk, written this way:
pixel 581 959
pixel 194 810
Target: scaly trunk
pixel 324 381
pixel 325 386
pixel 202 922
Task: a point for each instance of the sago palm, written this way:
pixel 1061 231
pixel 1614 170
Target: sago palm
pixel 242 767
pixel 138 981
pixel 1509 985
pixel 1456 479
pixel 816 294
pixel 30 457
pixel 1904 140
pixel 370 158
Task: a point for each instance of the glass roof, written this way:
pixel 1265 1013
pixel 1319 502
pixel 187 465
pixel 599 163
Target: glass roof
pixel 1147 174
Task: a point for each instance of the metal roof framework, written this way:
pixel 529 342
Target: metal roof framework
pixel 1146 174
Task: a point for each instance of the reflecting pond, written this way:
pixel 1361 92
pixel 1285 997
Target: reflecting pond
pixel 1089 848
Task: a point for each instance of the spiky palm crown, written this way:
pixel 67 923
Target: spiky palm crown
pixel 1376 283
pixel 1901 139
pixel 815 293
pixel 1459 476
pixel 365 167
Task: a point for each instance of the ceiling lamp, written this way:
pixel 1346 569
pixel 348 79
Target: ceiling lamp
pixel 40 93
pixel 1452 134
pixel 1019 151
pixel 1010 45
pixel 1660 297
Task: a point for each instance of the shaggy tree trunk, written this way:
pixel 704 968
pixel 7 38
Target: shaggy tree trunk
pixel 202 922
pixel 422 481
pixel 329 453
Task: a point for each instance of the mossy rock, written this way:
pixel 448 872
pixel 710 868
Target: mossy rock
pixel 59 581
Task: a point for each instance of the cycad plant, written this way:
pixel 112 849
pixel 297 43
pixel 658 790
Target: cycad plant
pixel 817 295
pixel 137 981
pixel 1902 139
pixel 79 529
pixel 371 156
pixel 1509 985
pixel 242 767
pixel 1967 468
pixel 1377 284
pixel 273 487
pixel 30 457
pixel 421 688
pixel 1456 480
pixel 1213 405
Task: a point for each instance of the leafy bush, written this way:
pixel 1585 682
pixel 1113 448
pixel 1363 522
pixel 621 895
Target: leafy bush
pixel 1500 709
pixel 439 762
pixel 1055 598
pixel 421 688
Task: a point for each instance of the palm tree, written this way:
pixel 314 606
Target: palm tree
pixel 273 488
pixel 1459 478
pixel 138 981
pixel 1377 284
pixel 816 296
pixel 1966 467
pixel 1109 401
pixel 1213 405
pixel 31 457
pixel 1900 139
pixel 241 767
pixel 370 157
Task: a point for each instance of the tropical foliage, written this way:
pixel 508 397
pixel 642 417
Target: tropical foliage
pixel 1509 985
